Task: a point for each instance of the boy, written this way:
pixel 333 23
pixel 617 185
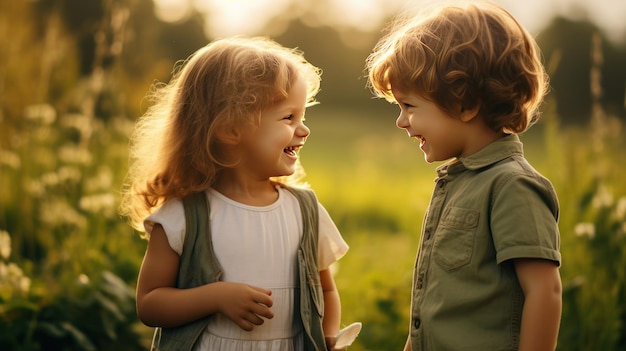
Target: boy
pixel 468 79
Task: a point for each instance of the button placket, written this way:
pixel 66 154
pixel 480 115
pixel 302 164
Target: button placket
pixel 417 323
pixel 420 280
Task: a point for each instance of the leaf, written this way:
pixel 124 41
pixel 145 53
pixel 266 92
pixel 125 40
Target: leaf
pixel 81 339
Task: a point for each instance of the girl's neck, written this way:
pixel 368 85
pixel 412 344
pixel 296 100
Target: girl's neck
pixel 253 193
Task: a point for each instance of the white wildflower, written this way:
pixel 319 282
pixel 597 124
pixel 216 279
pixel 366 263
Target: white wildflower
pixel 69 174
pixel 50 179
pixel 34 188
pixel 83 123
pixel 43 113
pixel 5 244
pixel 603 198
pixel 99 203
pixel 123 125
pixel 585 229
pixel 59 212
pixel 23 285
pixel 83 279
pixel 74 154
pixel 10 159
pixel 102 180
pixel 65 174
pixel 620 209
pixel 12 280
pixel 3 271
pixel 14 272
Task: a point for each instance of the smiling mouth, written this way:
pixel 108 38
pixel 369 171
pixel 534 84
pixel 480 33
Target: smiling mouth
pixel 420 139
pixel 292 150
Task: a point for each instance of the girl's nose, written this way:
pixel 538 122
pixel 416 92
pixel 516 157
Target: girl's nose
pixel 303 130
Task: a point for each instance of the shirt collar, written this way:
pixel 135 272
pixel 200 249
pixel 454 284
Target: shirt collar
pixel 497 151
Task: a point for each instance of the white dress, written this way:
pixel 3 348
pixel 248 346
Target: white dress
pixel 256 246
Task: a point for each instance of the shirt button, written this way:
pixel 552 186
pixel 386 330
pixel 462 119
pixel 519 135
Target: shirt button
pixel 417 323
pixel 428 233
pixel 420 281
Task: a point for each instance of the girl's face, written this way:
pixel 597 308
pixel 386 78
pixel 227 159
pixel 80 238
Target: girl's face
pixel 441 136
pixel 272 147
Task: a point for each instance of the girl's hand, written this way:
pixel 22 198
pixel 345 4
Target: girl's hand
pixel 330 343
pixel 244 304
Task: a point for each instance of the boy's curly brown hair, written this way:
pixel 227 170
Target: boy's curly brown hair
pixel 464 57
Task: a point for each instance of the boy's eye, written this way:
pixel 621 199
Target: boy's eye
pixel 290 117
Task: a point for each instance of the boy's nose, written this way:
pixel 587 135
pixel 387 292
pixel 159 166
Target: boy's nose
pixel 402 121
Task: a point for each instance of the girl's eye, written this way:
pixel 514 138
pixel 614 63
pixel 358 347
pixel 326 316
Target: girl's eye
pixel 407 105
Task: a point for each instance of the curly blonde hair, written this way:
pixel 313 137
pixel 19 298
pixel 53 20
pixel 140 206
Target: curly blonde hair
pixel 222 87
pixel 462 57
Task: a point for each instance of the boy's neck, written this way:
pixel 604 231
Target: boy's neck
pixel 479 136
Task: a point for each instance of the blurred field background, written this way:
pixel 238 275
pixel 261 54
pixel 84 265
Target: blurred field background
pixel 73 75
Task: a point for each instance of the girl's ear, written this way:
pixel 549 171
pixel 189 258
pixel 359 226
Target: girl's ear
pixel 228 136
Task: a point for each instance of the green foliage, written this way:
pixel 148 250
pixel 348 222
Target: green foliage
pixel 69 286
pixel 96 315
pixel 594 249
pixel 70 282
pixel 374 280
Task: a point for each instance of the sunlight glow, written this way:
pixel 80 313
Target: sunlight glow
pixel 363 15
pixel 249 17
pixel 233 17
pixel 171 10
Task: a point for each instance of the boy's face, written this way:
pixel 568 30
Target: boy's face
pixel 441 136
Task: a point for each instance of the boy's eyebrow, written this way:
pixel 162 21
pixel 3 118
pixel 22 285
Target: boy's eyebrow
pixel 398 96
pixel 396 92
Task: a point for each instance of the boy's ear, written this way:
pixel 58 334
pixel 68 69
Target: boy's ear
pixel 467 115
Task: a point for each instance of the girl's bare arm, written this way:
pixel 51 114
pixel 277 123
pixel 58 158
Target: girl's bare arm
pixel 160 303
pixel 332 306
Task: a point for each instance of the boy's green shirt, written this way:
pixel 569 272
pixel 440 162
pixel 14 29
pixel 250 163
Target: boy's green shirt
pixel 486 210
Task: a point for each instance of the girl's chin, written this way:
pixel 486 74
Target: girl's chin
pixel 285 173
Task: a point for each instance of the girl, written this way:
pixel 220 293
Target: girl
pixel 238 256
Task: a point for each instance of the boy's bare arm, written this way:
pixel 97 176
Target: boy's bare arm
pixel 541 283
pixel 407 347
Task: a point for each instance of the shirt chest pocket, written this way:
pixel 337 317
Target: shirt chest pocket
pixel 454 240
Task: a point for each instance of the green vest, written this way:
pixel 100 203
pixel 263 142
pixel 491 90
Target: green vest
pixel 199 266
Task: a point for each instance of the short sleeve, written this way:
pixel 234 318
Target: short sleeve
pixel 524 220
pixel 171 216
pixel 331 246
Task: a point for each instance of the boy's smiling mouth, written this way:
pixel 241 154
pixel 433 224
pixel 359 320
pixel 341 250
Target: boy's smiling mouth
pixel 421 139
